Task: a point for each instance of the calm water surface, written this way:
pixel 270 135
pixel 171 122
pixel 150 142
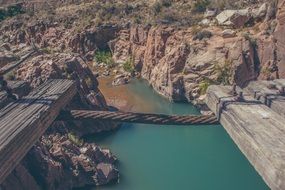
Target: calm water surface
pixel 174 157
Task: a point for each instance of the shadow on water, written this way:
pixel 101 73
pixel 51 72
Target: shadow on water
pixel 100 137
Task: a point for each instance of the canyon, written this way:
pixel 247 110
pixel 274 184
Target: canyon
pixel 178 61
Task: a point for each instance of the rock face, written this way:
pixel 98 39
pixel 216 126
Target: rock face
pixel 271 46
pixel 279 38
pixel 68 66
pixel 175 64
pixel 58 163
pixel 235 18
pixel 157 54
pixel 228 33
pixel 53 37
pixel 90 40
pixel 120 79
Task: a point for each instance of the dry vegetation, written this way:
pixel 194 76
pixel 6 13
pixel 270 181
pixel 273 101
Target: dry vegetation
pixel 83 13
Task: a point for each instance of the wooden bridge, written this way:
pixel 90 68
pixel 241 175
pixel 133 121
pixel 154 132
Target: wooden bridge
pixel 24 121
pixel 256 124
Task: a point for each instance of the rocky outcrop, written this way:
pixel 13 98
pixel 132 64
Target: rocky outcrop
pixel 279 38
pixel 175 63
pixel 68 66
pixel 234 18
pixel 271 46
pixel 89 40
pixel 228 33
pixel 53 37
pixel 123 50
pixel 56 162
pixel 59 161
pixel 121 79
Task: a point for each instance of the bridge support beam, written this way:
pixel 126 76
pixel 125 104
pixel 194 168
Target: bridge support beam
pixel 258 131
pixel 23 122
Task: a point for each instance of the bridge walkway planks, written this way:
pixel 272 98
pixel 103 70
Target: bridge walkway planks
pixel 24 121
pixel 258 131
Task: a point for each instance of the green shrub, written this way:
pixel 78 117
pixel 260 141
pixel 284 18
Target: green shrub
pixel 170 16
pixel 166 3
pixel 156 7
pixel 3 14
pixel 10 76
pixel 11 11
pixel 89 82
pixel 76 140
pixel 224 72
pixel 129 65
pixel 203 86
pixel 196 29
pixel 14 10
pixel 137 19
pixel 104 57
pixel 266 72
pixel 201 5
pixel 202 34
pixel 251 39
pixel 47 50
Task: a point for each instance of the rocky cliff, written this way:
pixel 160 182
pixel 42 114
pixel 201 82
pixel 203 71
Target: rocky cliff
pixel 175 64
pixel 180 62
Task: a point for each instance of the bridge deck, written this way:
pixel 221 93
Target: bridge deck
pixel 146 118
pixel 258 131
pixel 24 121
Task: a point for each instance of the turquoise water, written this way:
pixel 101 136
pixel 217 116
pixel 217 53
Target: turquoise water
pixel 176 157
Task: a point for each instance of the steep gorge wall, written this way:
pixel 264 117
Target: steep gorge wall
pixel 176 65
pixel 271 48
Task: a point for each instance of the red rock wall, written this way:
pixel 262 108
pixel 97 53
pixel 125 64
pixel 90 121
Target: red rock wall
pixel 279 35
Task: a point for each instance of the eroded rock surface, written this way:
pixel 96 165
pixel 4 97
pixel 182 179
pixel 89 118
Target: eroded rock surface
pixel 178 65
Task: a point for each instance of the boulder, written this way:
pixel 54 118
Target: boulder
pixel 5 47
pixel 234 18
pixel 203 34
pixel 106 173
pixel 59 163
pixel 260 12
pixel 6 57
pixel 210 13
pixel 205 22
pixel 120 80
pixel 228 33
pixel 272 10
